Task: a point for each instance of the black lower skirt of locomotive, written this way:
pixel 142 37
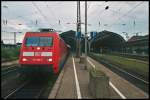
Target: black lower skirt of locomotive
pixel 38 70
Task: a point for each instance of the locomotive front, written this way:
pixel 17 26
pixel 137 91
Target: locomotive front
pixel 36 52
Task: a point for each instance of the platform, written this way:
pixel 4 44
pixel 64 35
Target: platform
pixel 73 82
pixel 127 89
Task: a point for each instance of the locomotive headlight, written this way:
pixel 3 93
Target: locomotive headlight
pixel 24 59
pixel 49 59
pixel 38 48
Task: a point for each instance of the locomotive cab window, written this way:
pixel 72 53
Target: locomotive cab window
pixel 39 41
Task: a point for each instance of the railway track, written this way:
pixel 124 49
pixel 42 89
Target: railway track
pixel 134 79
pixel 14 85
pixel 132 56
pixel 29 89
pixel 20 88
pixel 8 71
pixel 4 61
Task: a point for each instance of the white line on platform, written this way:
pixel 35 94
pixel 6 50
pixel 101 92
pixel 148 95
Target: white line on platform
pixel 110 83
pixel 91 63
pixel 121 95
pixel 76 79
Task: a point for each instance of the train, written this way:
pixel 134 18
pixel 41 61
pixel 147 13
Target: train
pixel 43 51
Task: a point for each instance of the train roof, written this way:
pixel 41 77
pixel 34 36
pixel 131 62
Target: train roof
pixel 36 33
pixel 28 34
pixel 41 32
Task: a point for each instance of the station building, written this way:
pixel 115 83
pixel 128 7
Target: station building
pixel 138 45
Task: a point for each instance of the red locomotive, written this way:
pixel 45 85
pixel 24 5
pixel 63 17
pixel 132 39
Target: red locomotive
pixel 42 51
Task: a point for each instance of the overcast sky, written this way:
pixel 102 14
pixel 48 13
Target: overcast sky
pixel 120 17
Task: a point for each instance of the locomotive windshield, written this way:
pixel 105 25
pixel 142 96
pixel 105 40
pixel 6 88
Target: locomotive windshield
pixel 39 41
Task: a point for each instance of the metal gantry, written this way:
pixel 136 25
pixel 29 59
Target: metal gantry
pixel 78 38
pixel 85 34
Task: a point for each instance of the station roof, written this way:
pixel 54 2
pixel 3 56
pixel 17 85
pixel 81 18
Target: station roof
pixel 69 38
pixel 70 33
pixel 107 39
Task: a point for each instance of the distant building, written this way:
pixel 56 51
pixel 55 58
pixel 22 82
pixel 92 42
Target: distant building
pixel 7 45
pixel 138 45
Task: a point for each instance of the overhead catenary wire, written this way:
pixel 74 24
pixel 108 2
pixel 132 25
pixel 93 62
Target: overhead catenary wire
pixel 60 19
pixel 116 21
pixel 54 16
pixel 123 15
pixel 44 17
pixel 101 11
pixel 117 12
pixel 55 13
pixel 89 6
